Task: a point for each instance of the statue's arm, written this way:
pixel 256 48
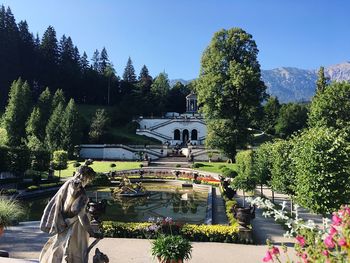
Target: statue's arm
pixel 79 207
pixel 85 222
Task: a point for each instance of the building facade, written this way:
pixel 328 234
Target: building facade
pixel 174 128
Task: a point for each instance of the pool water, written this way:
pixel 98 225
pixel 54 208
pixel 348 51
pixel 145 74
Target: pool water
pixel 183 204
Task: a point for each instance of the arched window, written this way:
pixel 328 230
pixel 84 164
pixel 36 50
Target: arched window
pixel 194 135
pixel 185 136
pixel 176 134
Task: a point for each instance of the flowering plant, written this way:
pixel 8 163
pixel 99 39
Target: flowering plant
pixel 169 244
pixel 330 243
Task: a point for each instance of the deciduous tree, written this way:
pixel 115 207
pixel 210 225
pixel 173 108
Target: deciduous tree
pixel 321 157
pixel 331 108
pixel 292 118
pixel 229 87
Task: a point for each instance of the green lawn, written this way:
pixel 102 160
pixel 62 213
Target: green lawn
pixel 214 166
pixel 100 166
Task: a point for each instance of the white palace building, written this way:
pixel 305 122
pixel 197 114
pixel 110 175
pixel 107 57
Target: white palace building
pixel 174 128
pixel 185 131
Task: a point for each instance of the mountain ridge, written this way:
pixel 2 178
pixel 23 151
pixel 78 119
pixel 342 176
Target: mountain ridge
pixel 292 84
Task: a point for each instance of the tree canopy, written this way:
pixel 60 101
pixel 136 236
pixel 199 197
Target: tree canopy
pixel 292 118
pixel 331 107
pixel 321 157
pixel 229 86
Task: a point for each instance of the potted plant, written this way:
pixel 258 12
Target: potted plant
pixel 171 249
pixel 10 212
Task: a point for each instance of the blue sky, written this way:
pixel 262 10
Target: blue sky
pixel 171 35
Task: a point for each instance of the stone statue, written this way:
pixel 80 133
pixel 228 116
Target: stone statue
pixel 99 257
pixel 66 218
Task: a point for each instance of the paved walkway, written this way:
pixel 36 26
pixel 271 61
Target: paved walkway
pixel 25 242
pixel 219 210
pixel 265 228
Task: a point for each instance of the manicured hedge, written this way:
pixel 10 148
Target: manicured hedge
pixel 43 186
pixel 211 233
pixel 205 233
pixel 100 179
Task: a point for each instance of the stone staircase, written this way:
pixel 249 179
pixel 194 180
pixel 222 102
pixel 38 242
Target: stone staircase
pixel 171 161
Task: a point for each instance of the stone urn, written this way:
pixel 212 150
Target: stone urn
pixel 243 214
pixel 96 209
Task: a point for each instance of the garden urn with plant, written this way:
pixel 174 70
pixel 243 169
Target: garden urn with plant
pixel 171 249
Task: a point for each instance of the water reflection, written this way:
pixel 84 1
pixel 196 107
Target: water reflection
pixel 182 204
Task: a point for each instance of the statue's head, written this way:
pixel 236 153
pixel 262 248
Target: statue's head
pixel 86 174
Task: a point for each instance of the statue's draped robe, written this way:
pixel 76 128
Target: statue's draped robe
pixel 64 218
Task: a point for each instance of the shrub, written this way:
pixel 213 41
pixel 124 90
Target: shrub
pixel 43 186
pixel 33 188
pixel 101 179
pixel 196 165
pixel 60 160
pixel 229 204
pixel 229 173
pixel 76 164
pixel 211 233
pixel 10 212
pixel 178 165
pixel 112 165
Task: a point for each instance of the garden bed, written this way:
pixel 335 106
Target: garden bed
pixel 202 233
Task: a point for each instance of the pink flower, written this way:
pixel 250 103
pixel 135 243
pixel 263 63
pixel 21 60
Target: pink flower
pixel 347 210
pixel 342 242
pixel 325 253
pixel 304 256
pixel 333 231
pixel 300 240
pixel 275 250
pixel 329 242
pixel 336 220
pixel 268 257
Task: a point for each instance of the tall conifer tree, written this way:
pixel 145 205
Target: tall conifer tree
pixel 104 60
pixel 129 72
pixel 70 127
pixel 17 112
pixel 58 98
pixel 49 58
pixel 54 131
pixel 96 61
pixel 322 81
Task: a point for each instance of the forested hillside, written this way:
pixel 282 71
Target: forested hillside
pixel 56 62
